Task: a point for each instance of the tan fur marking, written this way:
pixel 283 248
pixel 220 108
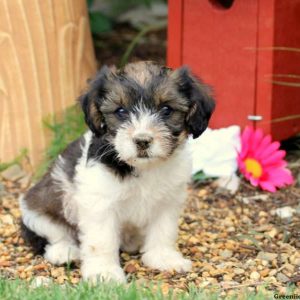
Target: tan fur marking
pixel 95 115
pixel 182 137
pixel 141 72
pixel 191 111
pixel 117 95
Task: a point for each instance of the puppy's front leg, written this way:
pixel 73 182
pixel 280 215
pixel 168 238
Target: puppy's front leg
pixel 159 249
pixel 99 236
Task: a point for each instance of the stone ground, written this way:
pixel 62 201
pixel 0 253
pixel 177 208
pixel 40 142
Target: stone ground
pixel 234 241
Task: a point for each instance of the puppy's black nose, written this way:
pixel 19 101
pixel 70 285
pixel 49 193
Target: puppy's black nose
pixel 143 141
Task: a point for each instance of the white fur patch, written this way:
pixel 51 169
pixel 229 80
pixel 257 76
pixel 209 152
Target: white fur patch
pixel 165 259
pixel 58 174
pixel 62 252
pixel 64 184
pixel 43 225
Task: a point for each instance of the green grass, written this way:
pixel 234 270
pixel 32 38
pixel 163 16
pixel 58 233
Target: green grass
pixel 63 131
pixel 17 289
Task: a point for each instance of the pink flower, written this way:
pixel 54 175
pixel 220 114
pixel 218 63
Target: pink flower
pixel 261 161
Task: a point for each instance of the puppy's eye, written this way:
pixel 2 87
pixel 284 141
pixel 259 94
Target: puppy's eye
pixel 166 111
pixel 121 113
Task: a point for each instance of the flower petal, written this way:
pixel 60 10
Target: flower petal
pixel 253 181
pixel 257 138
pixel 267 186
pixel 269 150
pixel 281 177
pixel 263 145
pixel 274 158
pixel 245 141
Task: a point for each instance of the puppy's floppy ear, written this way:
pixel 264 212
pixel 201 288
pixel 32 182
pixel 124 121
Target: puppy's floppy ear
pixel 92 100
pixel 200 99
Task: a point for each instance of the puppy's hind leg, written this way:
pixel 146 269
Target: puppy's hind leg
pixel 55 239
pixel 36 242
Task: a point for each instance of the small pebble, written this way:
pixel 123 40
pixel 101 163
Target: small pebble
pixel 266 256
pixel 282 278
pixel 264 272
pixel 238 271
pixel 285 212
pixel 130 268
pixel 226 253
pixel 255 275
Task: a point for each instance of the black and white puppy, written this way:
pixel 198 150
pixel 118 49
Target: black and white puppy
pixel 123 183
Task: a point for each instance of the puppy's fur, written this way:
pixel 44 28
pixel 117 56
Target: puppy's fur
pixel 123 183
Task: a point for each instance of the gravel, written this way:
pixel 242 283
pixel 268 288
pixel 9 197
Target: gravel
pixel 233 243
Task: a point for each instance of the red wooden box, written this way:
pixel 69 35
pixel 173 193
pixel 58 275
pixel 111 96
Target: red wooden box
pixel 249 53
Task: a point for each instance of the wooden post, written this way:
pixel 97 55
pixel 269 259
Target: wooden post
pixel 46 56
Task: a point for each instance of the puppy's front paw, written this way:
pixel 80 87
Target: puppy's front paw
pixel 61 253
pixel 166 260
pixel 96 273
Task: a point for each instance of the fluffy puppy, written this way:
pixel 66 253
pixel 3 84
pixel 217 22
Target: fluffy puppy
pixel 123 183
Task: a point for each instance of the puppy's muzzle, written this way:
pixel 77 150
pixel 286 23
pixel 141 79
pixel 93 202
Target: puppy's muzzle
pixel 143 141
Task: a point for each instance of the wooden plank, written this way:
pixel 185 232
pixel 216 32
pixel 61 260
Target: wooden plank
pixel 48 54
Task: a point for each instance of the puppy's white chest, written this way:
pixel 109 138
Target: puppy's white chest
pixel 140 198
pixel 136 198
pixel 146 195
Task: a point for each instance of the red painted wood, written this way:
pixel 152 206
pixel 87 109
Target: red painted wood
pixel 264 52
pixel 286 99
pixel 216 45
pixel 175 28
pixel 238 51
pixel 278 55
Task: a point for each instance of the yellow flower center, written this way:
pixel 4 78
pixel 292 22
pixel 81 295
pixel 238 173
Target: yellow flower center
pixel 253 167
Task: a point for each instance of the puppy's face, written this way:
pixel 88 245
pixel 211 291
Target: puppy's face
pixel 146 111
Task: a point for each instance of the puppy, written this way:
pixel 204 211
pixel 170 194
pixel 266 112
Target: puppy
pixel 123 183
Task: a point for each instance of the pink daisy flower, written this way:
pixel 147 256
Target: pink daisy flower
pixel 261 161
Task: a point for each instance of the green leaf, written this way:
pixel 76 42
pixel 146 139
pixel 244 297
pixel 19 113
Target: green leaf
pixel 99 22
pixel 15 161
pixel 202 177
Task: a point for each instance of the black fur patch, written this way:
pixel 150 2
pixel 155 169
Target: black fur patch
pixel 47 195
pixel 36 242
pixel 71 155
pixel 202 104
pixel 104 152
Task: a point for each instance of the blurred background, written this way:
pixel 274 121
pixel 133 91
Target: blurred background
pixel 245 50
pixel 131 30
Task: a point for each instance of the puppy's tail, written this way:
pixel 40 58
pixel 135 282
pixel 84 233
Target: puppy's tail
pixel 36 242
